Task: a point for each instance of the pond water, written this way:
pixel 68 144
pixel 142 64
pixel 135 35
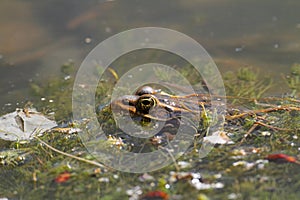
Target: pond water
pixel 37 37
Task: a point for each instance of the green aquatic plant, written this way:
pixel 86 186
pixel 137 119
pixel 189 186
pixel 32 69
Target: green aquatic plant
pixel 55 95
pixel 261 126
pixel 293 80
pixel 245 84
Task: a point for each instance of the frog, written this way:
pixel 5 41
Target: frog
pixel 147 107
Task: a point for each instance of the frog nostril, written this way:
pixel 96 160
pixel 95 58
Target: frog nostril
pixel 128 100
pixel 125 101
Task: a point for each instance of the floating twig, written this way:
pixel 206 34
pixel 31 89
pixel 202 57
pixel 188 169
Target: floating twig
pixel 267 110
pixel 70 155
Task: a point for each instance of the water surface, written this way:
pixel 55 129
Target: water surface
pixel 37 37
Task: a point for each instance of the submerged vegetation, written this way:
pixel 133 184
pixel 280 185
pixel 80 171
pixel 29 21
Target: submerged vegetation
pixel 259 162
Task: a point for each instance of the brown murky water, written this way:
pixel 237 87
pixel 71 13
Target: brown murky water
pixel 36 37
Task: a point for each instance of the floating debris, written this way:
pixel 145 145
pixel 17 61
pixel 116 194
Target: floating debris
pixel 87 40
pixel 184 164
pixel 233 196
pixel 176 176
pixel 281 158
pixel 104 179
pixel 218 137
pixel 22 124
pixel 134 193
pixel 63 177
pixel 146 177
pixel 205 186
pixel 155 195
pixel 249 165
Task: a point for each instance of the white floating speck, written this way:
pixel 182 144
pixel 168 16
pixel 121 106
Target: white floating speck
pixel 205 186
pixel 87 40
pixel 265 133
pixel 116 176
pixel 239 49
pixel 293 144
pixel 232 196
pixel 134 193
pixel 103 179
pixel 67 77
pixel 244 164
pixel 184 164
pixel 217 176
pixel 295 137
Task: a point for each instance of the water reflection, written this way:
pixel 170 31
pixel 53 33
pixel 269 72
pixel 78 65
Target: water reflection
pixel 38 36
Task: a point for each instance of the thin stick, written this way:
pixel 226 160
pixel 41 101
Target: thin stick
pixel 70 155
pixel 248 133
pixel 273 127
pixel 286 108
pixel 172 157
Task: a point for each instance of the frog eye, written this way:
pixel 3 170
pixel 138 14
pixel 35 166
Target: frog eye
pixel 145 90
pixel 145 103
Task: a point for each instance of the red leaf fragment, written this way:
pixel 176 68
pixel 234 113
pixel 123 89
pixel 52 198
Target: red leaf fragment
pixel 155 195
pixel 280 157
pixel 63 177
